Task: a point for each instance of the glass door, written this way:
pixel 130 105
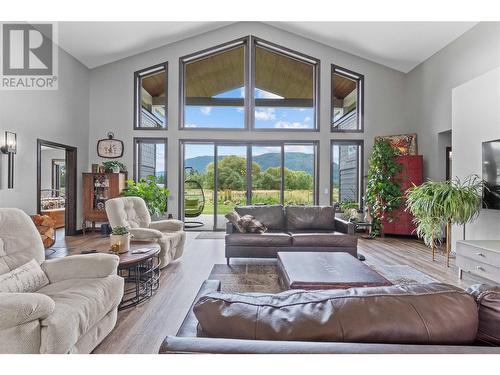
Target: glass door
pixel 231 180
pixel 266 174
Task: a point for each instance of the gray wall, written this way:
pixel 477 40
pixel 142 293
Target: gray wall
pixel 429 86
pixel 111 100
pixel 61 116
pixel 476 119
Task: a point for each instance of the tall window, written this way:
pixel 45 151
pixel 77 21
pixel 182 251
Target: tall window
pixel 347 171
pixel 217 92
pixel 150 159
pixel 285 88
pixel 151 98
pixel 347 100
pixel 214 88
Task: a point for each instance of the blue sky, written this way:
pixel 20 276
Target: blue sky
pixel 234 117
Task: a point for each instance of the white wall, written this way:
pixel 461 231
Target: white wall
pixel 60 116
pixel 111 100
pixel 429 86
pixel 476 119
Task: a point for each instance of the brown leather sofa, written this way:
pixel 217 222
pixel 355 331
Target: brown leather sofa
pixel 291 228
pixel 477 311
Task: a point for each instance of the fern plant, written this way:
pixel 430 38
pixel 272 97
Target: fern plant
pixel 383 190
pixel 436 204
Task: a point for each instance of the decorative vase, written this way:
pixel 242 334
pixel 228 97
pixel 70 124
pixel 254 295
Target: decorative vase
pixel 121 241
pixel 116 169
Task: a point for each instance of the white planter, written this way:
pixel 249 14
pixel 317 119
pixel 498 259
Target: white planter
pixel 116 169
pixel 123 240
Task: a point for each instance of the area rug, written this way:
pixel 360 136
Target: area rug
pixel 264 278
pixel 210 236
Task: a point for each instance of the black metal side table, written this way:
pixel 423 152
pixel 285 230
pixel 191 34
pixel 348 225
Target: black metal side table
pixel 142 276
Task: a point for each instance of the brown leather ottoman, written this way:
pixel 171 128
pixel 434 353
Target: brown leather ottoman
pixel 326 270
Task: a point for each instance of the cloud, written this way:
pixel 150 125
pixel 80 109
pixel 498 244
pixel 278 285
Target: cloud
pixel 206 110
pixel 191 125
pixel 307 119
pixel 240 109
pixel 290 125
pixel 265 114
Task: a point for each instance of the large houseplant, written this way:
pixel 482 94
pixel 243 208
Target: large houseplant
pixel 383 190
pixel 439 204
pixel 154 195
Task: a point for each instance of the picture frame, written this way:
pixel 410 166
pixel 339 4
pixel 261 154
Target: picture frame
pixel 406 144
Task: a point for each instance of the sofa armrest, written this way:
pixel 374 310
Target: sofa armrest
pixel 20 308
pixel 88 266
pixel 229 227
pixel 170 225
pixel 344 226
pixel 145 233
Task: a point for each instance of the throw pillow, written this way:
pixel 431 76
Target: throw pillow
pixel 27 278
pixel 234 218
pixel 251 225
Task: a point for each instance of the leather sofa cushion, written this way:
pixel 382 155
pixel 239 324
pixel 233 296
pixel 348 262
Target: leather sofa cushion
pixel 335 239
pixel 488 300
pixel 404 314
pixel 273 217
pixel 258 239
pixel 310 217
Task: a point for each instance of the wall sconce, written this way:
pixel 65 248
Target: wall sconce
pixel 10 148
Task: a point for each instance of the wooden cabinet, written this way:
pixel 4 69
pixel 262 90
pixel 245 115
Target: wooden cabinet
pixel 97 189
pixel 411 173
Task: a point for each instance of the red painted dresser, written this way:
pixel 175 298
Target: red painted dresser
pixel 412 173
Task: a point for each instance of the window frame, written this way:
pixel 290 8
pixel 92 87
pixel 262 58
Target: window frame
pixel 289 53
pixel 360 108
pixel 155 140
pixel 212 51
pixel 138 75
pixel 360 183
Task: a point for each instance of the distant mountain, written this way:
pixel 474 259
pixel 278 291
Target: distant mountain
pixel 293 160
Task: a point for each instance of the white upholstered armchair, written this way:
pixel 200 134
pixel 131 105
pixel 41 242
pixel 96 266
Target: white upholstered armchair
pixel 73 313
pixel 132 212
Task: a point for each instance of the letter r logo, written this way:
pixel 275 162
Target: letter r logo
pixel 27 49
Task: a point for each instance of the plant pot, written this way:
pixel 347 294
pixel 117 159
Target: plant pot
pixel 123 241
pixel 116 169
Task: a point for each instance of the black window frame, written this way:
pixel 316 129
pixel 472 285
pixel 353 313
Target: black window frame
pixel 292 54
pixel 136 163
pixel 360 107
pixel 196 56
pixel 360 183
pixel 138 75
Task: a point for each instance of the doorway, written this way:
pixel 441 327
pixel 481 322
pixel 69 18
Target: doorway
pixel 56 185
pixel 220 175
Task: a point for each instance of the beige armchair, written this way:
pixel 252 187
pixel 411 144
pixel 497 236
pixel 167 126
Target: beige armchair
pixel 132 212
pixel 73 313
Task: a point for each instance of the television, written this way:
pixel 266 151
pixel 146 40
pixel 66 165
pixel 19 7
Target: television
pixel 491 175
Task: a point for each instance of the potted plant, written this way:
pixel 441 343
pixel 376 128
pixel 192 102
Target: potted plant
pixel 383 190
pixel 350 210
pixel 114 166
pixel 154 195
pixel 439 204
pixel 120 239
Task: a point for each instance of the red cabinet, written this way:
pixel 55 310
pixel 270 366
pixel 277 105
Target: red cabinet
pixel 412 173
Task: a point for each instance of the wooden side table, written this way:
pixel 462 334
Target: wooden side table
pixel 140 271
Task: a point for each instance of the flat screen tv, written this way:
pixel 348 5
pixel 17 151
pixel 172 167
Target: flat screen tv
pixel 491 174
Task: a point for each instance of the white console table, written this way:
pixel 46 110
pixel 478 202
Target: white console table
pixel 480 257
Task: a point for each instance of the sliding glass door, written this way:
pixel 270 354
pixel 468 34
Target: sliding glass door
pixel 220 175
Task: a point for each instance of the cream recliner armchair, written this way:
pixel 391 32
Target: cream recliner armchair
pixel 133 213
pixel 73 313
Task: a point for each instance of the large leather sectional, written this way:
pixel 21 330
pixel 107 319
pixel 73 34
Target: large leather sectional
pixel 424 318
pixel 291 228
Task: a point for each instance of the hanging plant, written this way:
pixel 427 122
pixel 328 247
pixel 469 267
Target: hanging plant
pixel 383 190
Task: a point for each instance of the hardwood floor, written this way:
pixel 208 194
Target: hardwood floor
pixel 143 328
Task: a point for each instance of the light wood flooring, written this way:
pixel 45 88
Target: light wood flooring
pixel 143 328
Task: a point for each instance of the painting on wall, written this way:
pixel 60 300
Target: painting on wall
pixel 405 143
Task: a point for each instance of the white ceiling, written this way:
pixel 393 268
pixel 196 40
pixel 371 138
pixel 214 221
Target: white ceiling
pixel 398 45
